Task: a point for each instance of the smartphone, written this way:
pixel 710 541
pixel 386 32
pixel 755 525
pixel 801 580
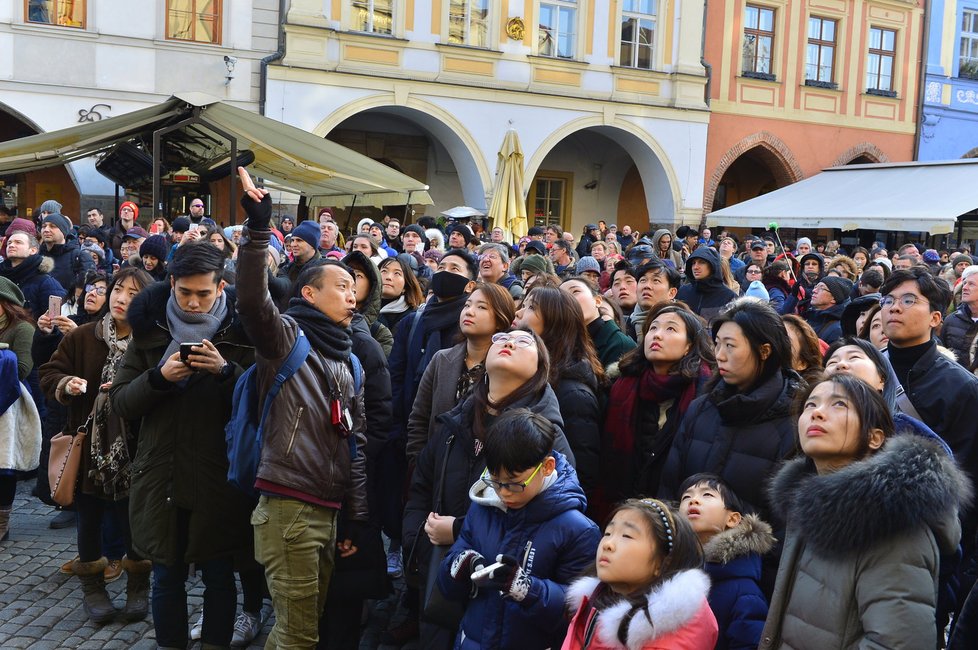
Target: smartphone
pixel 194 227
pixel 54 306
pixel 186 349
pixel 482 574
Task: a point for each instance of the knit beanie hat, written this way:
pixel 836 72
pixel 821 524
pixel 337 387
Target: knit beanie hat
pixel 135 209
pixel 931 256
pixel 433 254
pixel 803 240
pixel 94 248
pixel 60 222
pixel 155 246
pixel 11 292
pixel 757 290
pixel 415 228
pixel 308 231
pixel 534 263
pixel 180 224
pixel 960 257
pixel 840 288
pixel 51 206
pixel 588 263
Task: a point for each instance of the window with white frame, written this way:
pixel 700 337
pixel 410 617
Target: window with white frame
pixel 637 33
pixel 374 16
pixel 968 55
pixel 468 22
pixel 558 29
pixel 67 13
pixel 820 55
pixel 879 62
pixel 758 40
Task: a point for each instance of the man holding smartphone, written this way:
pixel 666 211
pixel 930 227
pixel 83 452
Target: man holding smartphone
pixel 182 508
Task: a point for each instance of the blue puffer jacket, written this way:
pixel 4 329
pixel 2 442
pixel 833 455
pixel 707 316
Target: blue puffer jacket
pixel 733 562
pixel 554 542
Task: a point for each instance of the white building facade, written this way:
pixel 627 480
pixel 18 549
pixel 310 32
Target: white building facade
pixel 607 98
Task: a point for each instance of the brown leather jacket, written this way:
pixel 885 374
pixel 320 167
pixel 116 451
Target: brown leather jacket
pixel 302 450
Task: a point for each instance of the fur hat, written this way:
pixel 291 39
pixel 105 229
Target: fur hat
pixel 534 263
pixel 60 222
pixel 840 288
pixel 308 231
pixel 135 208
pixel 155 246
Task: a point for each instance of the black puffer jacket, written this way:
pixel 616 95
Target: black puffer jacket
pixel 958 333
pixel 741 437
pixel 454 436
pixel 577 397
pixel 827 323
pixel 706 297
pixel 69 262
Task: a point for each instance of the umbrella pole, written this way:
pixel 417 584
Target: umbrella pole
pixel 407 206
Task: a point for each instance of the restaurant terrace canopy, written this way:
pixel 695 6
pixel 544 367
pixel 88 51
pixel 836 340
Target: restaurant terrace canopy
pixel 917 196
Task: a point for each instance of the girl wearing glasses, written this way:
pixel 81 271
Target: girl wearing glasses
pixel 524 540
pixel 517 373
pixel 78 376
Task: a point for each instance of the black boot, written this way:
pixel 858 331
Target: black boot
pixel 98 606
pixel 137 589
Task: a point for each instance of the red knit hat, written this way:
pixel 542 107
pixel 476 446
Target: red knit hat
pixel 135 208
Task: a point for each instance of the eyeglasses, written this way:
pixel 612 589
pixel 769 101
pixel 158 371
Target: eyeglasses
pixel 519 340
pixel 509 487
pixel 753 271
pixel 98 291
pixel 907 301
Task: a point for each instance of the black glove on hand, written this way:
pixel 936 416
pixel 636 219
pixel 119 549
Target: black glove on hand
pixel 356 531
pixel 509 578
pixel 466 563
pixel 259 214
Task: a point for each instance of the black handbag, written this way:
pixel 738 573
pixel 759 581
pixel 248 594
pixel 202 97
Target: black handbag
pixel 438 609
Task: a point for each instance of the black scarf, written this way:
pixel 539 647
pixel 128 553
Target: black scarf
pixel 439 315
pixel 22 272
pixel 324 334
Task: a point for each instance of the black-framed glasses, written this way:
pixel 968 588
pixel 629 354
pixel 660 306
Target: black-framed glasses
pixel 754 271
pixel 509 487
pixel 519 340
pixel 98 291
pixel 907 301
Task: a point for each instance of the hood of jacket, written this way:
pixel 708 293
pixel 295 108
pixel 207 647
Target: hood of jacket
pixel 812 256
pixel 711 257
pixel 561 492
pixel 668 607
pixel 656 236
pixel 371 308
pixel 909 483
pixel 751 536
pixel 147 311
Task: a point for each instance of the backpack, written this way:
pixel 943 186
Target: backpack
pixel 243 432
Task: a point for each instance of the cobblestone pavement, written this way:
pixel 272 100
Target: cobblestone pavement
pixel 41 608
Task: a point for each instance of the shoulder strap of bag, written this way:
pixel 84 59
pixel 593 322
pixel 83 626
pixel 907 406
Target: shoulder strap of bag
pixel 297 356
pixel 440 486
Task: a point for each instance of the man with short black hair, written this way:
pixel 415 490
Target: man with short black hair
pixel 656 282
pixel 313 457
pixel 30 271
pixel 182 508
pixel 903 262
pixel 624 288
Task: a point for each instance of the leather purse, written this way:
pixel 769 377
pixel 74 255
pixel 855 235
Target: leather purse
pixel 64 463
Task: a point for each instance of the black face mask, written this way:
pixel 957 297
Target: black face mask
pixel 447 285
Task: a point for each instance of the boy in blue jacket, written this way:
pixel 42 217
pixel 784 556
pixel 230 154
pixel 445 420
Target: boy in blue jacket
pixel 525 538
pixel 733 543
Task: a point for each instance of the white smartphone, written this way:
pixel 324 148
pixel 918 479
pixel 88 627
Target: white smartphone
pixel 54 306
pixel 484 573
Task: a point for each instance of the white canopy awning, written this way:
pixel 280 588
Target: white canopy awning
pixel 286 157
pixel 919 196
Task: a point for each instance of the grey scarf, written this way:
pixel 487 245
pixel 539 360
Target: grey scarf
pixel 188 327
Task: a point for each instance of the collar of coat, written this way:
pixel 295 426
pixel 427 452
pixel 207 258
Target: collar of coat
pixel 669 606
pixel 147 311
pixel 911 482
pixel 752 535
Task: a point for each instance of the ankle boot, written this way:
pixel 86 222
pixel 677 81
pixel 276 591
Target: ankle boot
pixel 137 589
pixel 4 524
pixel 96 600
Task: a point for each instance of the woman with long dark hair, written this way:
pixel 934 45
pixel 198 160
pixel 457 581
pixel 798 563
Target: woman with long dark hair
pixel 806 348
pixel 79 376
pixel 576 374
pixel 869 511
pixel 400 294
pixel 517 376
pixel 657 383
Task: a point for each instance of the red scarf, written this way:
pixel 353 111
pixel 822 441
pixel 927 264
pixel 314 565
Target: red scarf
pixel 650 388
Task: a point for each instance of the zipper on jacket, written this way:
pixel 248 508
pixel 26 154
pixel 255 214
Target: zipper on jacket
pixel 295 428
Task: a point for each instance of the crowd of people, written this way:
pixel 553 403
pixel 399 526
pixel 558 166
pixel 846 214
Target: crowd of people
pixel 629 439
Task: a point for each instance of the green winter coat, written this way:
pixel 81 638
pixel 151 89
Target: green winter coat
pixel 181 459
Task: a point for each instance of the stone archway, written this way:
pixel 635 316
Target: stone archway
pixel 864 152
pixel 766 147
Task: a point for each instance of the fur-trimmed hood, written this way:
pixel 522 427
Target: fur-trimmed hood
pixel 669 606
pixel 752 535
pixel 911 482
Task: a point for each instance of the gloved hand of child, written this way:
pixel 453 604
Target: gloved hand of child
pixel 508 578
pixel 466 563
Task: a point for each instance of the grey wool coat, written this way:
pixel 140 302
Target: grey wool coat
pixel 861 555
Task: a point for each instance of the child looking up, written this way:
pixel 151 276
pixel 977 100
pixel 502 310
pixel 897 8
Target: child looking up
pixel 649 592
pixel 524 539
pixel 733 543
